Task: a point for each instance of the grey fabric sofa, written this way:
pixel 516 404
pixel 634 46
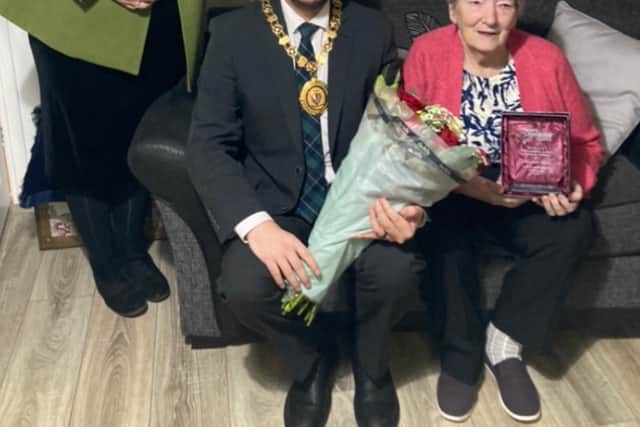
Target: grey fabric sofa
pixel 607 281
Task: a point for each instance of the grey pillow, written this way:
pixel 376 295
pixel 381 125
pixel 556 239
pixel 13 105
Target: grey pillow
pixel 607 66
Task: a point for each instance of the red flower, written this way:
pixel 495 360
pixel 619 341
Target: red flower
pixel 484 159
pixel 448 137
pixel 412 102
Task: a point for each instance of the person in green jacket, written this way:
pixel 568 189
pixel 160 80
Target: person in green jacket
pixel 100 64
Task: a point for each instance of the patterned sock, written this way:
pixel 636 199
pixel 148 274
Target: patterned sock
pixel 500 346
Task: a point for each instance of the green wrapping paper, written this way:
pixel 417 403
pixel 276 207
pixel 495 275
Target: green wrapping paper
pixel 393 155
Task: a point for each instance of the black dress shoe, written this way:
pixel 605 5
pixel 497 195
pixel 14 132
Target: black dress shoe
pixel 144 274
pixel 375 402
pixel 121 297
pixel 309 402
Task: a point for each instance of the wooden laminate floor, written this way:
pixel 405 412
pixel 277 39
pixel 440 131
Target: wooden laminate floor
pixel 66 360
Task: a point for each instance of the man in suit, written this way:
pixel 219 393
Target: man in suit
pixel 262 161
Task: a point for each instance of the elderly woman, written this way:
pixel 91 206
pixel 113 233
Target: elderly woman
pixel 480 67
pixel 100 65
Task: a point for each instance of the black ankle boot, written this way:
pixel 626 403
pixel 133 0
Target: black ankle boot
pixel 375 401
pixel 309 402
pixel 143 274
pixel 120 296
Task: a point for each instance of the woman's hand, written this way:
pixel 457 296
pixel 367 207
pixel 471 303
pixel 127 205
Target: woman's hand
pixel 559 204
pixel 136 4
pixel 392 226
pixel 490 192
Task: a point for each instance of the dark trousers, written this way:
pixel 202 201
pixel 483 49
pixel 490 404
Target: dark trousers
pixel 381 277
pixel 547 252
pixel 113 233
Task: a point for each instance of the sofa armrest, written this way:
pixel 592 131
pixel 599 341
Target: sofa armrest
pixel 157 151
pixel 156 158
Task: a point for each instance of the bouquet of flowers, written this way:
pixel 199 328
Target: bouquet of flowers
pixel 404 151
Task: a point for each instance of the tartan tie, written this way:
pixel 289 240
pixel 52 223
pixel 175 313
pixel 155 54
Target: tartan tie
pixel 314 188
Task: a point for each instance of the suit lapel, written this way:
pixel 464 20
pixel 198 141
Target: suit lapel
pixel 279 69
pixel 339 67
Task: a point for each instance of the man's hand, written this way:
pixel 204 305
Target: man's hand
pixel 136 4
pixel 392 226
pixel 490 192
pixel 559 204
pixel 283 254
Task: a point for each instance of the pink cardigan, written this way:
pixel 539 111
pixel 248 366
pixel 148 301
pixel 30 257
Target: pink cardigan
pixel 433 70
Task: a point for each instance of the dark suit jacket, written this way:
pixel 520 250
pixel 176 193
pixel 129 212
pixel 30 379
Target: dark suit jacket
pixel 245 150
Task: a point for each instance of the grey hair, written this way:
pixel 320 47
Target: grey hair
pixel 519 5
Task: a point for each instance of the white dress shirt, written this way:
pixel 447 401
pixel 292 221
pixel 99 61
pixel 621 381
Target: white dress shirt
pixel 293 21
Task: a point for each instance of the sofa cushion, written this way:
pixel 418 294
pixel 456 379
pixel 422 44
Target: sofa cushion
pixel 607 282
pixel 592 285
pixel 610 79
pixel 618 231
pixel 618 183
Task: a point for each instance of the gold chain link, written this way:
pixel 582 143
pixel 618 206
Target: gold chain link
pixel 309 64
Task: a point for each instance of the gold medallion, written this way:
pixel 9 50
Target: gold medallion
pixel 314 97
pixel 314 94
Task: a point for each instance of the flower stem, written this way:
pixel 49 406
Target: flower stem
pixel 305 308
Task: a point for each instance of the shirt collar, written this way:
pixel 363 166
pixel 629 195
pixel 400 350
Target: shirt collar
pixel 293 20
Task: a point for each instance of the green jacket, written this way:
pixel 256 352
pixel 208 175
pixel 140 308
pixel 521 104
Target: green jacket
pixel 101 31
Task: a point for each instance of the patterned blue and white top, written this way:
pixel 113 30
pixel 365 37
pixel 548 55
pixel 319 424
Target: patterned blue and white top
pixel 483 101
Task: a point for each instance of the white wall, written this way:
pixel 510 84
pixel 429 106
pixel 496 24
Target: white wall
pixel 19 94
pixel 4 188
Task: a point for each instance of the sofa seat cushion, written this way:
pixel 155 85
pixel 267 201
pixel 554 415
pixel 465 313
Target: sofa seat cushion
pixel 612 282
pixel 592 286
pixel 618 231
pixel 618 182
